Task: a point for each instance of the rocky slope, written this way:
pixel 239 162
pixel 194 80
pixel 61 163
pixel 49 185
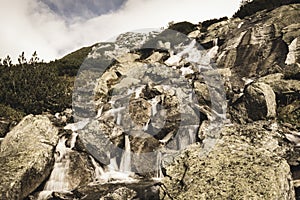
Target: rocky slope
pixel 214 110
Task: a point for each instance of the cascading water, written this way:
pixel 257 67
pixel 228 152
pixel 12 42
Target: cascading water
pixel 158 173
pixel 125 165
pixel 58 181
pixel 113 173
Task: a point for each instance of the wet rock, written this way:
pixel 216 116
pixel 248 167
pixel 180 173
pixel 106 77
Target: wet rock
pixel 80 171
pixel 242 164
pixel 260 101
pixel 26 156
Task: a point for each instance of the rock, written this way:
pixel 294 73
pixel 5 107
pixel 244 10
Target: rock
pixel 292 71
pixel 242 165
pixel 286 91
pixel 81 171
pixel 138 190
pixel 26 156
pixel 120 194
pixel 4 127
pixel 260 101
pixel 291 114
pixel 291 32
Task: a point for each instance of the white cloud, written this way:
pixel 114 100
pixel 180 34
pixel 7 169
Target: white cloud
pixel 29 25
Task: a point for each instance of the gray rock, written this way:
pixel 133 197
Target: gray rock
pixel 260 101
pixel 26 156
pixel 242 165
pixel 120 194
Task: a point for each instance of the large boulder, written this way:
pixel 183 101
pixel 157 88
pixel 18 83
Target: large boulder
pixel 260 101
pixel 244 164
pixel 26 156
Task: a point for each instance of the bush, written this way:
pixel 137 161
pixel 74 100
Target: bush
pixel 10 114
pixel 70 64
pixel 259 5
pixel 207 23
pixel 183 27
pixel 33 89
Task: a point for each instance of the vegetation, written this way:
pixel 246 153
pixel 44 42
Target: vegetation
pixel 10 113
pixel 248 9
pixel 33 87
pixel 207 23
pixel 70 64
pixel 182 27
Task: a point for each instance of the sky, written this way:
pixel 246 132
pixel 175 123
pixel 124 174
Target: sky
pixel 55 28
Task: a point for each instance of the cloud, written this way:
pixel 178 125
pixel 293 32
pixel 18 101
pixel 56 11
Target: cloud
pixel 73 10
pixel 30 25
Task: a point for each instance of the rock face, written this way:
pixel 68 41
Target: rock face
pixel 242 165
pixel 26 156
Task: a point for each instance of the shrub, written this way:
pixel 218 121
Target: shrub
pixel 34 88
pixel 11 114
pixel 259 5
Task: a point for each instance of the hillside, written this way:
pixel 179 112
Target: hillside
pixel 196 111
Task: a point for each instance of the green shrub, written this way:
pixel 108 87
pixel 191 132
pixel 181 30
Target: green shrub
pixel 34 88
pixel 183 27
pixel 70 64
pixel 10 114
pixel 259 5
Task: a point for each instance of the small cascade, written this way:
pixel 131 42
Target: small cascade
pixel 158 173
pixel 215 42
pixel 113 166
pixel 113 173
pixel 110 173
pixel 98 169
pixel 119 119
pixel 145 128
pixel 125 165
pixel 99 112
pixel 183 141
pixel 192 136
pixel 58 179
pixel 154 103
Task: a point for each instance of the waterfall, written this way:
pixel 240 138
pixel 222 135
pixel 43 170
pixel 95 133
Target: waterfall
pixel 58 179
pixel 215 42
pixel 192 136
pixel 158 172
pixel 125 165
pixel 145 128
pixel 154 103
pixel 119 118
pixel 111 173
pixel 113 166
pixel 98 169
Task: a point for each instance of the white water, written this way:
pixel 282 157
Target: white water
pixel 159 174
pixel 192 136
pixel 58 179
pixel 291 57
pixel 77 126
pixel 154 103
pixel 113 165
pixel 125 165
pixel 110 173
